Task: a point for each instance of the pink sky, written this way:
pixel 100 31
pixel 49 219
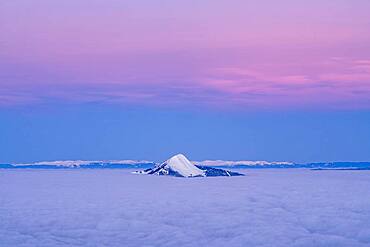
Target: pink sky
pixel 245 54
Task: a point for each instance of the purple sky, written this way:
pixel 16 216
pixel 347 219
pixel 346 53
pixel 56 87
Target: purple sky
pixel 256 54
pixel 143 79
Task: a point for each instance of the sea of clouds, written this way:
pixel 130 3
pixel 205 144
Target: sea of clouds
pixel 266 208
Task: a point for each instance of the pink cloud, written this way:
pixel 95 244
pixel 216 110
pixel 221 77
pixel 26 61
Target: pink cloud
pixel 333 83
pixel 340 84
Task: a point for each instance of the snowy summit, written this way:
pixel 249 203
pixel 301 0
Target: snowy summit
pixel 180 166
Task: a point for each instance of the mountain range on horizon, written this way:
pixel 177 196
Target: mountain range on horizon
pixel 145 164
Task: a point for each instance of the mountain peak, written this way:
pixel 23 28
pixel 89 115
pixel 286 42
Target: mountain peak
pixel 180 166
pixel 178 156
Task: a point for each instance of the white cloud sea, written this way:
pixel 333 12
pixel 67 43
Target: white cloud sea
pixel 113 208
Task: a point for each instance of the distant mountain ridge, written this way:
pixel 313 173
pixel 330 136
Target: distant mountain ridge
pixel 322 165
pixel 240 162
pixel 144 164
pixel 82 164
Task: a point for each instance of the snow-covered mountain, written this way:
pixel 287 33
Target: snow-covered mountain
pixel 180 166
pixel 216 164
pixel 87 164
pixel 224 163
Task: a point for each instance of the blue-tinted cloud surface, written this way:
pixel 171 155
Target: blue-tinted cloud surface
pixel 297 208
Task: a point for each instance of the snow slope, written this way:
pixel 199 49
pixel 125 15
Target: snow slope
pixel 180 164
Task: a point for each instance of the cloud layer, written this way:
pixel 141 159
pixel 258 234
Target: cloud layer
pixel 114 208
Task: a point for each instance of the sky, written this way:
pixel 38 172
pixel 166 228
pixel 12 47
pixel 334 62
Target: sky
pixel 237 79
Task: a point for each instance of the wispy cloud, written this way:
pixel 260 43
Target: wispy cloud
pixel 193 80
